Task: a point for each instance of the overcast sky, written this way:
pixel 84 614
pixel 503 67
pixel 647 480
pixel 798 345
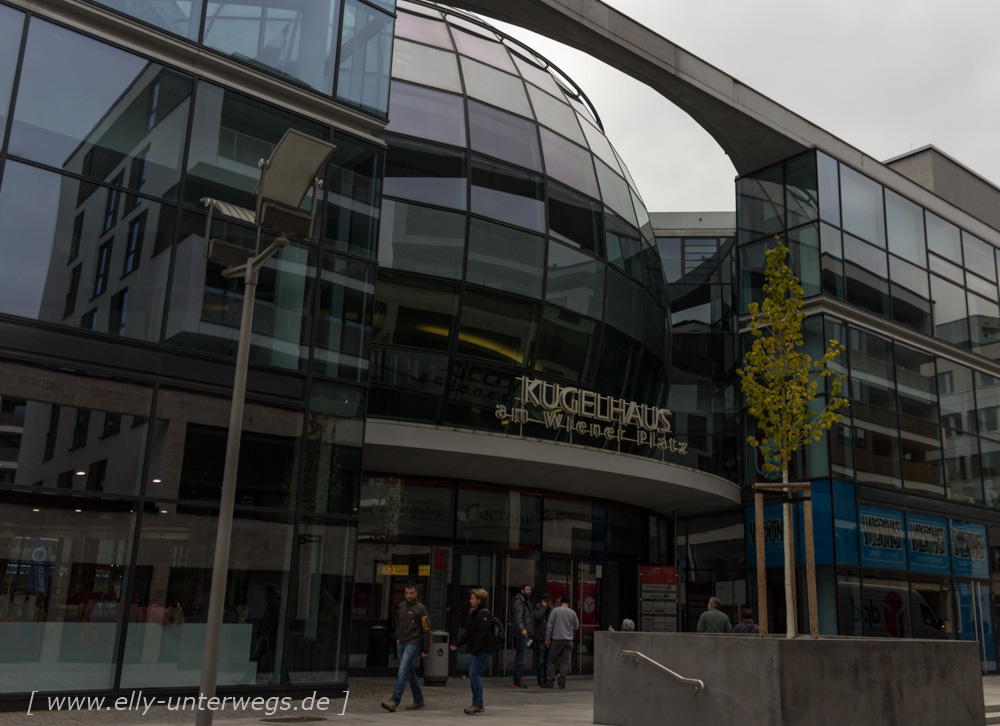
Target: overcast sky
pixel 886 76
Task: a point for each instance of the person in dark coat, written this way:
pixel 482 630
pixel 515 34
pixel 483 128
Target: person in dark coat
pixel 541 618
pixel 523 627
pixel 746 624
pixel 479 637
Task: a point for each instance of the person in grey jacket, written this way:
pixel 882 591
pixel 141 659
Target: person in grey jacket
pixel 563 624
pixel 413 639
pixel 521 619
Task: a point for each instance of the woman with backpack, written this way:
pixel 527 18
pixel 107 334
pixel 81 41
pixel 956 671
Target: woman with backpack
pixel 480 638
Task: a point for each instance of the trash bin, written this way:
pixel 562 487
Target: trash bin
pixel 378 647
pixel 436 664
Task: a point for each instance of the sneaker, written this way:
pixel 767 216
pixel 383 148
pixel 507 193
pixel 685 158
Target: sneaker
pixel 471 710
pixel 520 685
pixel 389 706
pixel 547 684
pixel 415 705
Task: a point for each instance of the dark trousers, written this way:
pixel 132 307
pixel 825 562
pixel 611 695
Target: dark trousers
pixel 520 654
pixel 560 652
pixel 541 659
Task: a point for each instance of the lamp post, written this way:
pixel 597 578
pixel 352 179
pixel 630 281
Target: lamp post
pixel 285 180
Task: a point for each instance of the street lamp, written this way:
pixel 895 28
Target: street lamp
pixel 285 180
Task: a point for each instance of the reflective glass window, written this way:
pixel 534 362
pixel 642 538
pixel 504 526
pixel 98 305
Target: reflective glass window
pixel 333 437
pixel 866 276
pixel 294 40
pixel 508 519
pixel 905 223
pixel 569 163
pixel 670 250
pixel 989 463
pixel 406 384
pixel 421 64
pixel 487 51
pixel 618 363
pixel 624 246
pixel 625 304
pixel 876 445
pixel 505 258
pixel 753 262
pixel 831 260
pixel 920 455
pixel 916 383
pixel 567 345
pixel 504 136
pixel 120 103
pixel 425 173
pixel 508 194
pixel 419 239
pixel 475 389
pixel 556 115
pixel 955 393
pixel 414 312
pixel 861 200
pixel 11 27
pixel 946 269
pixel 951 322
pixel 984 316
pixel 829 188
pixel 600 145
pixel 988 404
pixel 181 17
pixel 760 204
pixel 615 192
pixel 353 194
pixel 426 30
pixel 983 287
pixel 801 194
pixel 428 114
pixel 962 476
pixel 872 380
pixel 495 87
pixel 911 300
pixel 979 256
pixel 575 219
pixel 365 57
pixel 344 317
pixel 41 273
pixel 538 76
pixel 234 133
pixel 804 249
pixel 575 281
pixel 497 327
pixel 943 238
pixel 570 527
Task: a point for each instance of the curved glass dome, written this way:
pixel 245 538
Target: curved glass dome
pixel 512 235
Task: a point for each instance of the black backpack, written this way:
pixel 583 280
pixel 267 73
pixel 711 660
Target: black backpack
pixel 498 633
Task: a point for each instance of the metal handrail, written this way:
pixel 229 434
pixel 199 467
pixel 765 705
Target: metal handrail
pixel 695 684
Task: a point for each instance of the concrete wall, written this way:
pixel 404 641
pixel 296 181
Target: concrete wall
pixel 774 681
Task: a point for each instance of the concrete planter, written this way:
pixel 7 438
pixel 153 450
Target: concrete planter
pixel 775 681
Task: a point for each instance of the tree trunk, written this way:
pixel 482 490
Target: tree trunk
pixel 789 560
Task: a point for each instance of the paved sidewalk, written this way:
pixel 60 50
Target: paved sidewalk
pixel 529 707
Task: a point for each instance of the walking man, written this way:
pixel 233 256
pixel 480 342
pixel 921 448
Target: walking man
pixel 559 632
pixel 521 617
pixel 714 620
pixel 541 617
pixel 413 639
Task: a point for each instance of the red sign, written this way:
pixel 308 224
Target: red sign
pixel 659 575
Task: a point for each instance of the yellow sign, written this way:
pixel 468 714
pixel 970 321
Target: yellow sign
pixel 424 570
pixel 395 569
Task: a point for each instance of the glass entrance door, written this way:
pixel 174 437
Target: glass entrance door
pixel 975 620
pixel 578 579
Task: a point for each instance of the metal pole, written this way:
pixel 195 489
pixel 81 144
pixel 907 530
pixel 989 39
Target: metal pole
pixel 220 567
pixel 807 514
pixel 758 503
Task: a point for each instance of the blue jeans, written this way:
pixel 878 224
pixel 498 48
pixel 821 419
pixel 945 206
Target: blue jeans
pixel 541 660
pixel 408 655
pixel 477 664
pixel 520 653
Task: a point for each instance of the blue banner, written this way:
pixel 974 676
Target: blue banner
pixel 928 543
pixel 968 550
pixel 774 536
pixel 883 538
pixel 845 523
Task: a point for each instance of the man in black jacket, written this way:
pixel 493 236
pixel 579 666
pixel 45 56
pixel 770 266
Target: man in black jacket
pixel 413 638
pixel 524 626
pixel 541 615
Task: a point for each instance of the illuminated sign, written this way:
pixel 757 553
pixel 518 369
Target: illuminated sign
pixel 395 570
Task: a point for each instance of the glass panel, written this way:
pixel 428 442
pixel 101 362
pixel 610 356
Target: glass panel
pixel 567 345
pixel 624 246
pixel 556 115
pixel 293 41
pixel 920 451
pixel 958 406
pixel 946 269
pixel 495 87
pixel 117 100
pixel 804 249
pixel 11 27
pixel 625 303
pixel 575 219
pixel 601 146
pixel 961 467
pixel 414 312
pixel 166 630
pixel 428 114
pixel 353 195
pixel 569 527
pixel 508 194
pixel 943 237
pixel 61 591
pixel 234 133
pixel 801 195
pixel 473 393
pixel 505 258
pixel 423 240
pixel 181 17
pixel 670 250
pixel 979 256
pixel 497 327
pixel 510 520
pixel 829 188
pixel 753 262
pixel 911 303
pixel 334 434
pixel 569 163
pixel 344 318
pixel 871 378
pixel 988 403
pixel 50 259
pixel 420 64
pixel 407 385
pixel 504 136
pixel 615 192
pixel 760 204
pixel 916 383
pixel 831 260
pixel 861 197
pixel 575 281
pixel 984 316
pixel 876 445
pixel 950 317
pixel 416 27
pixel 866 273
pixel 365 57
pixel 487 51
pixel 538 76
pixel 906 228
pixel 425 173
pixel 989 459
pixel 977 284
